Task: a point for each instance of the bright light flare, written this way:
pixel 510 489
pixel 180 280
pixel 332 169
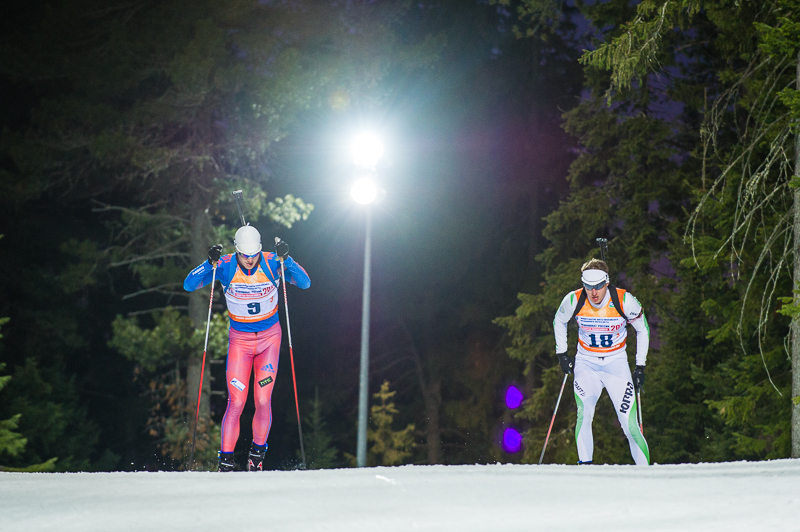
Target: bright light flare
pixel 513 397
pixel 364 191
pixel 367 150
pixel 512 440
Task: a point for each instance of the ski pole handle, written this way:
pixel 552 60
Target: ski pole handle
pixel 281 249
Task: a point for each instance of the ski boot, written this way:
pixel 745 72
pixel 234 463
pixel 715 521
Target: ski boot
pixel 225 462
pixel 255 462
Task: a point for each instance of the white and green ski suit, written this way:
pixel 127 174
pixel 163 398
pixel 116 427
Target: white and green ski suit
pixel 602 362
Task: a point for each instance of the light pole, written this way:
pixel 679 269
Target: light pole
pixel 367 150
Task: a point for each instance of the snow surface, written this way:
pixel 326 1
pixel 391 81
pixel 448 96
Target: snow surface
pixel 728 496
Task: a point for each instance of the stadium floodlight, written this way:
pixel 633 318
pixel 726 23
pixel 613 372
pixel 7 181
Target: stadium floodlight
pixel 364 191
pixel 367 150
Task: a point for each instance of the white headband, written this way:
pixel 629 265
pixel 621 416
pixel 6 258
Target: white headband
pixel 594 277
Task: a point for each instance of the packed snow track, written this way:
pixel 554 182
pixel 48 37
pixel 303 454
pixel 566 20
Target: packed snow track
pixel 726 497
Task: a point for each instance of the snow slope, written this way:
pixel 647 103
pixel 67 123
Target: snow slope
pixel 730 496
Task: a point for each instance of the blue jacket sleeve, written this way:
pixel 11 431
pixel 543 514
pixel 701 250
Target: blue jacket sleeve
pixel 295 273
pixel 199 277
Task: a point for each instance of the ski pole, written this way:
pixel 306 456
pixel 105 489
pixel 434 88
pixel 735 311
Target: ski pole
pixel 541 457
pixel 203 366
pixel 291 357
pixel 639 411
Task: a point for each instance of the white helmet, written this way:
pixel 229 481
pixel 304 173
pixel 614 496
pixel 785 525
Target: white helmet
pixel 247 240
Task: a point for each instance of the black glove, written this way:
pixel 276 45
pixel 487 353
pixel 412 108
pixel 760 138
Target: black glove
pixel 281 248
pixel 214 253
pixel 638 378
pixel 567 363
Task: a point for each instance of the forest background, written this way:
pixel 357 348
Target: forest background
pixel 509 150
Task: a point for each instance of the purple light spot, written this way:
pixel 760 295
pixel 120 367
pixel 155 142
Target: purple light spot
pixel 512 440
pixel 513 397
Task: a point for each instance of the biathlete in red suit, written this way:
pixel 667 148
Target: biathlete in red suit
pixel 250 279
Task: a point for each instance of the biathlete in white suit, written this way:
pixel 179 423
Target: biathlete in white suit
pixel 250 278
pixel 603 312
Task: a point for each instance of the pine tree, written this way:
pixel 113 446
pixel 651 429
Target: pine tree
pixel 320 453
pixel 388 446
pixel 13 443
pixel 625 185
pixel 718 387
pixel 744 223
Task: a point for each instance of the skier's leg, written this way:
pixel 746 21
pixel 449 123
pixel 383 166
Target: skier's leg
pixel 617 380
pixel 266 370
pixel 587 387
pixel 241 348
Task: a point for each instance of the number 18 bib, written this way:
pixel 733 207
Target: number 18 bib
pixel 601 331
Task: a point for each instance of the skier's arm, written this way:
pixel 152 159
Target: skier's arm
pixel 636 317
pixel 202 275
pixel 295 273
pixel 199 277
pixel 563 315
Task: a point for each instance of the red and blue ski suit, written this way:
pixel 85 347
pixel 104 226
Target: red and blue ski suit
pixel 254 339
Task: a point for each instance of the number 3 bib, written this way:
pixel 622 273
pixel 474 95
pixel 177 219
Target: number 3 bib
pixel 601 331
pixel 252 298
